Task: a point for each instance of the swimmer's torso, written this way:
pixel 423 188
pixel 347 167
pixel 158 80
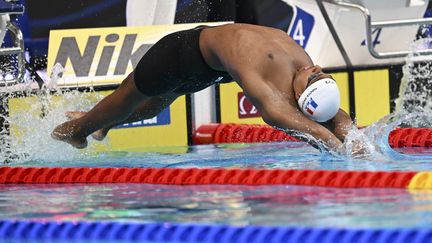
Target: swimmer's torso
pixel 191 60
pixel 269 52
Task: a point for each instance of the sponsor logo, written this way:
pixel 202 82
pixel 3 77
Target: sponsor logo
pixel 245 108
pixel 164 118
pixel 103 55
pixel 81 60
pixel 311 106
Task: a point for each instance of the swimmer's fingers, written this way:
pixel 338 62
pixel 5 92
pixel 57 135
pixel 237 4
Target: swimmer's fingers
pixel 359 149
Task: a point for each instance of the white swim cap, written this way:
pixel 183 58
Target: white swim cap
pixel 320 101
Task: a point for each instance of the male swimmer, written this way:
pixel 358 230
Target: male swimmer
pixel 276 74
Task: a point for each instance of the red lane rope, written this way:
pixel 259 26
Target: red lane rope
pixel 244 133
pixel 238 133
pixel 411 137
pixel 193 176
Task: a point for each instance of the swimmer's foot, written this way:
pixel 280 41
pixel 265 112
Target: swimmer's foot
pixel 99 135
pixel 64 133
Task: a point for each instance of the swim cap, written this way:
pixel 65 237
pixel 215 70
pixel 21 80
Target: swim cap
pixel 320 101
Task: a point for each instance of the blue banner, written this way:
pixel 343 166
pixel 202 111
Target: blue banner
pixel 164 118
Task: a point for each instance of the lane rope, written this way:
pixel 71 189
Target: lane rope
pixel 167 232
pixel 195 176
pixel 245 133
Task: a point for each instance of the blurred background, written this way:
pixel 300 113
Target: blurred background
pixel 41 17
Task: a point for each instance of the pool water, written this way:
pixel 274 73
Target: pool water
pixel 286 155
pixel 236 205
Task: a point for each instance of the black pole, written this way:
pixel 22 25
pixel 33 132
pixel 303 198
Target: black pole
pixel 344 56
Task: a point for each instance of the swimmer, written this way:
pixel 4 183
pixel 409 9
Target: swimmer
pixel 275 73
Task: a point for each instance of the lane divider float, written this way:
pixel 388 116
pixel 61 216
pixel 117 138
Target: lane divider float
pixel 167 232
pixel 245 133
pixel 195 176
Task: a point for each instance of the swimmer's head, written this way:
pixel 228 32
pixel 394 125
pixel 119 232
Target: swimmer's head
pixel 316 93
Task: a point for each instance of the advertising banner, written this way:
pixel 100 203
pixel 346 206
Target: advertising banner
pixel 101 56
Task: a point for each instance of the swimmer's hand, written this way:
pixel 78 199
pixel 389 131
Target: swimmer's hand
pixel 356 149
pixel 359 149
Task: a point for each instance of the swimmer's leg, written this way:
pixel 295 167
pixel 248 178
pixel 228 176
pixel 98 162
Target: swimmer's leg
pixel 111 110
pixel 146 110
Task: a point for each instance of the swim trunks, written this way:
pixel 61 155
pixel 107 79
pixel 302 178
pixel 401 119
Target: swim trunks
pixel 175 64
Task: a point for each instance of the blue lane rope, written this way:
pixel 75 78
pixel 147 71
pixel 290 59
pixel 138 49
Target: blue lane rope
pixel 164 232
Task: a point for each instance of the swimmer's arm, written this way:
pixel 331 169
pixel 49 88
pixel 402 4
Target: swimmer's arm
pixel 277 111
pixel 343 124
pixel 293 119
pixel 339 125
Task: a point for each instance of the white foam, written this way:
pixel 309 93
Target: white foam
pixel 31 128
pixel 413 107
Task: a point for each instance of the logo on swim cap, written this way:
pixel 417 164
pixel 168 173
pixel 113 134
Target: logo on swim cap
pixel 321 100
pixel 311 106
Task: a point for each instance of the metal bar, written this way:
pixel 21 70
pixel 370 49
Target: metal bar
pixel 10 51
pixel 19 43
pixel 381 24
pixel 368 20
pixel 394 23
pixel 14 12
pixel 334 33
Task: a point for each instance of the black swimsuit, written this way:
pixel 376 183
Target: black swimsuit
pixel 175 64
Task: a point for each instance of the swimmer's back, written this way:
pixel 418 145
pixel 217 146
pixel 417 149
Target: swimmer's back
pixel 236 46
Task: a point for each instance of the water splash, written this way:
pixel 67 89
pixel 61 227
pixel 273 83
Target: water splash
pixel 413 109
pixel 375 137
pixel 30 128
pixel 416 84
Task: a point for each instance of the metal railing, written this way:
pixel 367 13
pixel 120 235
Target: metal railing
pixel 370 25
pixel 18 48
